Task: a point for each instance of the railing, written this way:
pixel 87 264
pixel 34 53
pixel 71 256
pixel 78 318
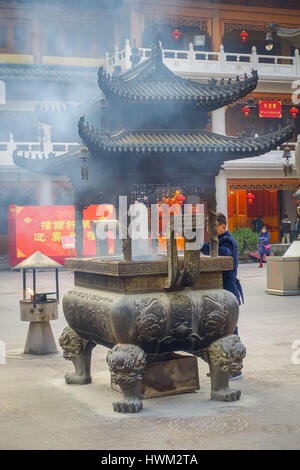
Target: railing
pixel 202 62
pixel 32 149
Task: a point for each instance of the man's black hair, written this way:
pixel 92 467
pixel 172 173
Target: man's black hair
pixel 221 219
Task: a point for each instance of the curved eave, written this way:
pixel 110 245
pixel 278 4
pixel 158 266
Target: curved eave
pixel 56 166
pixel 288 33
pixel 265 143
pixel 228 148
pixel 211 96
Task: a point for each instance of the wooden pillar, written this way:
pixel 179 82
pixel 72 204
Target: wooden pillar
pixel 217 34
pixel 285 50
pixel 78 227
pixel 221 193
pixel 212 218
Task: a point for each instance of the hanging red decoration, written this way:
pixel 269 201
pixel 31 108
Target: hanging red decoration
pixel 294 111
pixel 178 198
pixel 246 110
pixel 176 34
pixel 250 198
pixel 243 36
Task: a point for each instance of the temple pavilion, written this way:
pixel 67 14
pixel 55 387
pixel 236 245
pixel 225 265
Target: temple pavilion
pixel 153 136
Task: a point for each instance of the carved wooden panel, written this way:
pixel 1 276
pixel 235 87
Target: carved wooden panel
pixel 176 21
pixel 232 26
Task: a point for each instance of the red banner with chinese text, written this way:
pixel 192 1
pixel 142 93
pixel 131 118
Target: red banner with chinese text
pixel 270 109
pixel 41 228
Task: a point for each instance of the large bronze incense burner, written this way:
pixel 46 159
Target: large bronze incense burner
pixel 125 306
pixel 153 141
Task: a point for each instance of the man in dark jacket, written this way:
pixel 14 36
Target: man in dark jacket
pixel 285 229
pixel 257 224
pixel 228 247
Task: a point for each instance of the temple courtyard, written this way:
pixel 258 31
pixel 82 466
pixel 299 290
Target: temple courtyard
pixel 39 411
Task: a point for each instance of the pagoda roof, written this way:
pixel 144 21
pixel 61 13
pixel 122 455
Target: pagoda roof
pixel 129 154
pixel 197 141
pixel 152 81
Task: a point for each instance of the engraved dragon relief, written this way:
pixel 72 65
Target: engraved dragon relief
pixel 182 309
pixel 212 320
pixel 87 315
pixel 151 320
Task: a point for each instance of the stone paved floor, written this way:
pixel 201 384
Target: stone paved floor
pixel 39 411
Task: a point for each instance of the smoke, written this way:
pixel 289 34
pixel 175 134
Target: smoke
pixel 61 94
pixel 66 29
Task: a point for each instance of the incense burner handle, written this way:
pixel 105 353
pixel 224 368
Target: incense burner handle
pixel 178 279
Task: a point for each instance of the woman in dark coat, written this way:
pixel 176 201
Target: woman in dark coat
pixel 264 245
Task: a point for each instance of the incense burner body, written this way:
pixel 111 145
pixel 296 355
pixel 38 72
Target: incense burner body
pixel 125 307
pixel 157 321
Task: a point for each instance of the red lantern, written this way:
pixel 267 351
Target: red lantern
pixel 294 111
pixel 180 199
pixel 176 34
pixel 243 36
pixel 250 198
pixel 246 111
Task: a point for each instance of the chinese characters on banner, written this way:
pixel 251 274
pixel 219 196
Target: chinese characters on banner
pixel 270 109
pixel 41 228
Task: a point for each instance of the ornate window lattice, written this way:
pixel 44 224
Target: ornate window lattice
pixel 152 193
pixel 271 187
pixel 176 21
pixel 229 27
pixel 244 101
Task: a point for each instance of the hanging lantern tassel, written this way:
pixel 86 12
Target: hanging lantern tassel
pixel 176 34
pixel 246 110
pixel 243 36
pixel 294 111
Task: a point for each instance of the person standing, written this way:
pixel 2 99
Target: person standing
pixel 228 247
pixel 285 229
pixel 264 245
pixel 257 224
pixel 296 230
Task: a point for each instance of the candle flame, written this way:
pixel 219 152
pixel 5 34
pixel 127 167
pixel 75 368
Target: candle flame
pixel 29 291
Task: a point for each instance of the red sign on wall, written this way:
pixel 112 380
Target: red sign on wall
pixel 270 109
pixel 41 228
